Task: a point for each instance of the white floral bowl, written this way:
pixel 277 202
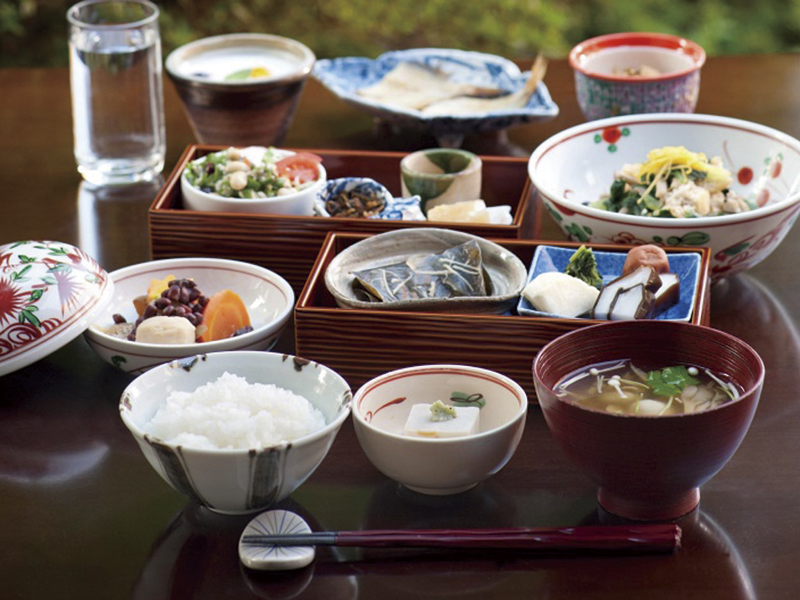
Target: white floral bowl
pixel 297 203
pixel 237 480
pixel 268 297
pixel 438 466
pixel 576 166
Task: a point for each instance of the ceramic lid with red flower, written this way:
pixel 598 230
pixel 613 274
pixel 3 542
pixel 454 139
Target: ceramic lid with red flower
pixel 49 294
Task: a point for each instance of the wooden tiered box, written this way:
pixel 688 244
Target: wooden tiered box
pixel 361 344
pixel 289 245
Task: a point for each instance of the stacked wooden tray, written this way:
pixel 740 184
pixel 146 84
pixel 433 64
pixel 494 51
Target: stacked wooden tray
pixel 361 344
pixel 289 245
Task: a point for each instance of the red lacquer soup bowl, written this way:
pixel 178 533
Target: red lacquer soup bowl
pixel 649 467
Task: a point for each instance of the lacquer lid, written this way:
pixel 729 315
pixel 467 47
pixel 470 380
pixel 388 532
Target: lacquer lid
pixel 50 292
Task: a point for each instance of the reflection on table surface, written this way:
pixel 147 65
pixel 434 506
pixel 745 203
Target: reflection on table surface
pixel 84 515
pixel 196 554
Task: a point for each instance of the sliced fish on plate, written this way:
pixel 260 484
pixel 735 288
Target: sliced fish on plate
pixel 415 86
pixel 467 104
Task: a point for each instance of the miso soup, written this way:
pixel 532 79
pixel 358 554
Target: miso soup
pixel 623 388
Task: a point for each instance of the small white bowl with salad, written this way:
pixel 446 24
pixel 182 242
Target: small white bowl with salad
pixel 254 179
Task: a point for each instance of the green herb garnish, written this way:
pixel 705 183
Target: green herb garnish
pixel 239 75
pixel 583 266
pixel 670 381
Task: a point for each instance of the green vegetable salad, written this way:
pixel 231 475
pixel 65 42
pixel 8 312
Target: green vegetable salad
pixel 253 172
pixel 674 183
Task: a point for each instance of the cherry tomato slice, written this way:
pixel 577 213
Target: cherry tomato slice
pixel 299 168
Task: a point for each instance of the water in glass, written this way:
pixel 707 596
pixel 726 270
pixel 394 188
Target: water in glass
pixel 117 97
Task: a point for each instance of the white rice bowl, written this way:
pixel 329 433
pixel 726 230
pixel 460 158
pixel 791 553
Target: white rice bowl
pixel 213 448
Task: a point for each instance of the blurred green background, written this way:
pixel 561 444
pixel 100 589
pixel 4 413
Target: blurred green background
pixel 34 32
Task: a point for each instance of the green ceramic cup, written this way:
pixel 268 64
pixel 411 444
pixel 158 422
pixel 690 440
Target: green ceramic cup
pixel 441 176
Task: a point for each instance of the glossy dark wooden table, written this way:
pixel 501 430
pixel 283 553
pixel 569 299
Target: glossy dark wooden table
pixel 82 515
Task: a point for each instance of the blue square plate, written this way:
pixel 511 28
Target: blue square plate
pixel 685 264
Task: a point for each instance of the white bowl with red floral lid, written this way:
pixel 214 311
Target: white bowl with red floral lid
pixel 49 294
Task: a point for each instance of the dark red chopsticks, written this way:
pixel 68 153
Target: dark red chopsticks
pixel 643 538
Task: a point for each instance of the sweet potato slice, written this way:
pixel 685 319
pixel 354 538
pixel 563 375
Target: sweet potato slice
pixel 224 315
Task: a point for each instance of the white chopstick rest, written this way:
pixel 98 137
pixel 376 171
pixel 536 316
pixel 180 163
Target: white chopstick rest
pixel 275 558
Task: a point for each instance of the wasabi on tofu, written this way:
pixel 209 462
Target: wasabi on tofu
pixel 442 412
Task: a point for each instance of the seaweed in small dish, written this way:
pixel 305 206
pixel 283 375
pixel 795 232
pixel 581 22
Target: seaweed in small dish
pixel 362 197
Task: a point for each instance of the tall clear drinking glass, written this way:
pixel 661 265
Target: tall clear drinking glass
pixel 117 90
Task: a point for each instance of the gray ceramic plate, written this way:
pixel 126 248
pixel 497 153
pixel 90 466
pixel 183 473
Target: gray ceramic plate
pixel 506 273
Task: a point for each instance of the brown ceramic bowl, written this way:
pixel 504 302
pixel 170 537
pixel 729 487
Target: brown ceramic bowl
pixel 649 468
pixel 226 107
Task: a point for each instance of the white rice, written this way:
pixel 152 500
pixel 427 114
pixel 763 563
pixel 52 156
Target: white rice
pixel 232 413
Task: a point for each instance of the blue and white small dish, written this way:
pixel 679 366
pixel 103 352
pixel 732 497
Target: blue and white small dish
pixel 405 209
pixel 686 265
pixel 345 76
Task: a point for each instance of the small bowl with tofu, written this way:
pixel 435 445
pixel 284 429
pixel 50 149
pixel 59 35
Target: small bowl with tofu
pixel 164 310
pixel 439 429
